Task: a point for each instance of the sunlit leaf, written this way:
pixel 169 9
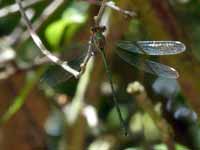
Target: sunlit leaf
pixel 151 132
pixel 136 123
pixel 73 16
pixel 113 119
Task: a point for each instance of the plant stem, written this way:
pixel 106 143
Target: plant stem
pixel 100 13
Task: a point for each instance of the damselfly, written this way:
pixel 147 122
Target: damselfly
pixel 127 51
pixel 97 43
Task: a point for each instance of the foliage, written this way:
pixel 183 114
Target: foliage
pixel 54 113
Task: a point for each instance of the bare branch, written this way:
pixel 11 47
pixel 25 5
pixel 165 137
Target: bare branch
pixel 48 11
pixel 14 7
pixel 125 12
pixel 113 6
pixel 100 13
pixel 41 46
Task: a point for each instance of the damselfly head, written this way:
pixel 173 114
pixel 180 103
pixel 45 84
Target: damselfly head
pixel 96 29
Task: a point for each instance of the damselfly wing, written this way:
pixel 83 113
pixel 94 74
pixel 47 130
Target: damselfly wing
pixel 152 47
pixel 55 74
pixel 129 50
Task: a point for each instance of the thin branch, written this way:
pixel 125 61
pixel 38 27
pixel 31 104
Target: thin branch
pixel 100 13
pixel 15 36
pixel 125 12
pixel 77 102
pixel 41 46
pixel 87 57
pixel 48 11
pixel 113 6
pixel 14 7
pixel 10 69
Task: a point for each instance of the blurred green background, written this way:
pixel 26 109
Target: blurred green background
pixel 36 113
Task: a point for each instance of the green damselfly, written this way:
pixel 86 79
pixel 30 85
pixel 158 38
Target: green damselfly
pixel 97 43
pixel 127 51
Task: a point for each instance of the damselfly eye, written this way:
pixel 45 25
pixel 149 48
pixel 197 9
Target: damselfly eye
pixel 103 28
pixel 95 29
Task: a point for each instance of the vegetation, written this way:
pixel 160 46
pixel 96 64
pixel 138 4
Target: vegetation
pixel 64 86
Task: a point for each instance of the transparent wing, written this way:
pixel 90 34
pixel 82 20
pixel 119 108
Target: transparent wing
pixel 55 74
pixel 149 66
pixel 153 47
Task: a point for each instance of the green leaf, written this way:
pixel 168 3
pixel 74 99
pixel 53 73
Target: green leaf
pixel 113 118
pixel 55 31
pixel 151 132
pixel 136 123
pixel 71 19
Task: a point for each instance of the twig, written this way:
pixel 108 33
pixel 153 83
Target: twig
pixel 8 69
pixel 41 46
pixel 14 7
pixel 15 36
pixel 100 13
pixel 87 57
pixel 77 102
pixel 113 6
pixel 125 12
pixel 48 11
